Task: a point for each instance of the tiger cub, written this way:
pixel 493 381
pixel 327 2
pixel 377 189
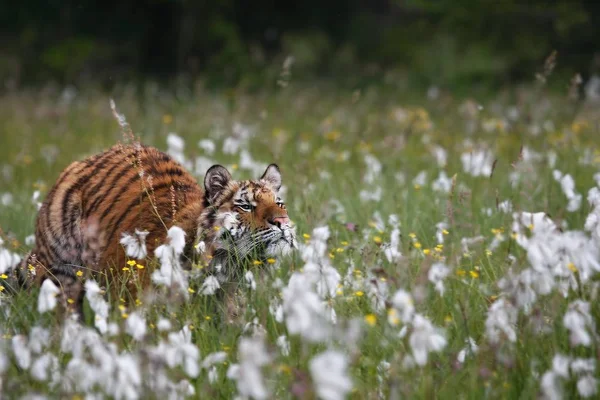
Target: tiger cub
pixel 134 187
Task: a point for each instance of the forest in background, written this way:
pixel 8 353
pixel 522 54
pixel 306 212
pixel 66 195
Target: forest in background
pixel 449 43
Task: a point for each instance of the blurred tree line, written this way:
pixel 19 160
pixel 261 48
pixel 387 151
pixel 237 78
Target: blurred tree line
pixel 442 42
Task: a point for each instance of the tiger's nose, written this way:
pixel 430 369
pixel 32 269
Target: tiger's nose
pixel 280 221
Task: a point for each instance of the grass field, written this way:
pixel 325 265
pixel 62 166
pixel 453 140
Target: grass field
pixel 451 281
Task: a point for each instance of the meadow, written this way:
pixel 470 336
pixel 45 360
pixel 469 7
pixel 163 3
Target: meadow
pixel 450 247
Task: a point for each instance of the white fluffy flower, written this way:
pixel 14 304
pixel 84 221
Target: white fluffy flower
pixel 304 311
pixel 210 286
pixel 252 356
pixel 207 145
pixel 501 321
pixel 136 326
pixel 21 351
pixel 470 349
pixel 171 273
pixel 324 276
pixel 214 358
pixel 579 322
pixel 436 275
pixel 477 162
pixel 403 303
pixel 97 303
pixel 392 252
pixel 135 245
pixel 284 345
pixel 47 296
pixel 329 371
pixel 568 187
pixel 425 338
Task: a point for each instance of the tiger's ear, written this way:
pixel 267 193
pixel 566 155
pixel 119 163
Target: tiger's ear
pixel 273 176
pixel 216 179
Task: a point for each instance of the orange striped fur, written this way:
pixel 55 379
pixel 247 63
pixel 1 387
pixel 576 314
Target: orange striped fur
pixel 131 187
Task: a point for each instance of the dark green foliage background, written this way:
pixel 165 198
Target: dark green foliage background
pixel 443 42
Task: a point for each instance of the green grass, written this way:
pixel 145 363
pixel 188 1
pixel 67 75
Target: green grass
pixel 335 125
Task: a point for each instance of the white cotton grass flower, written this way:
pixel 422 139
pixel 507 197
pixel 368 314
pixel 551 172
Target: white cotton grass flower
pixel 171 273
pixel 392 252
pixel 580 323
pixel 252 357
pixel 329 372
pixel 250 281
pixel 284 345
pixel 501 321
pixel 436 275
pixel 587 386
pixel 567 185
pixel 95 298
pixel 210 286
pixel 477 162
pixel 424 339
pixel 47 297
pixel 178 350
pixel 21 351
pixel 371 195
pixel 8 259
pixel 135 245
pixel 208 146
pixel 551 380
pixel 246 162
pixel 470 349
pixel 403 303
pixel 440 154
pixel 304 312
pixel 218 357
pixel 378 292
pixel 175 147
pixel 136 326
pixel 46 367
pixel 442 184
pixel 324 276
pixel 373 168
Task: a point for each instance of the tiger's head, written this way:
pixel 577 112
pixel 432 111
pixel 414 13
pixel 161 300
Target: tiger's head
pixel 247 219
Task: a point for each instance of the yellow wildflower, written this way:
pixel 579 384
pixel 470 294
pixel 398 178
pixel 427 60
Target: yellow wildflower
pixel 417 245
pixel 371 319
pixel 572 267
pixel 131 263
pixel 426 251
pixel 474 274
pixel 461 272
pixel 344 243
pixel 256 262
pixel 125 268
pixel 167 119
pixel 412 235
pixel 359 293
pixel 393 318
pixel 139 266
pixel 306 236
pixel 4 276
pixel 377 240
pixel 79 273
pixel 70 301
pixel 190 290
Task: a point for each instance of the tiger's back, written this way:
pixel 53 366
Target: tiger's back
pixel 95 200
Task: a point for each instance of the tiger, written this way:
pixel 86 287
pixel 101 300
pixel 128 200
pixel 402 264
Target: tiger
pixel 99 200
